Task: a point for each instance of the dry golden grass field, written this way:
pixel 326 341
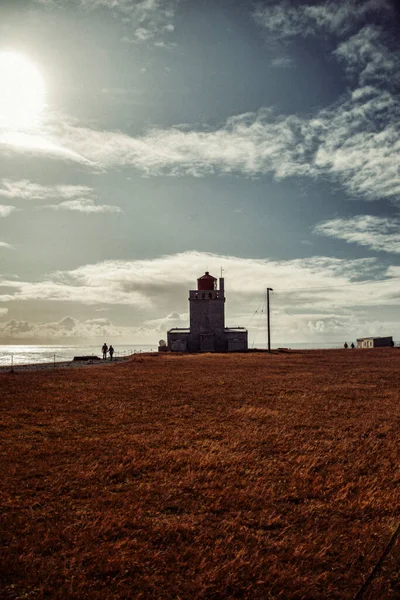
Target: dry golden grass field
pixel 249 476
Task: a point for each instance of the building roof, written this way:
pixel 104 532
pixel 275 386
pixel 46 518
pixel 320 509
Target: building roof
pixel 381 337
pixel 207 276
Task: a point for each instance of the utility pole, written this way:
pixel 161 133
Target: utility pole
pixel 269 328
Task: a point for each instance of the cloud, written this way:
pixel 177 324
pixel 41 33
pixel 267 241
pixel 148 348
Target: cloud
pixel 377 233
pixel 367 53
pixel 326 329
pixel 83 205
pixel 24 189
pixel 3 311
pixel 356 141
pixel 283 19
pixel 66 328
pixel 173 319
pixel 252 143
pixel 147 283
pixel 142 34
pixel 37 145
pixel 5 210
pixel 72 330
pixel 359 143
pixel 6 245
pixel 78 198
pixel 311 298
pixel 282 62
pixel 147 19
pixel 287 19
pixel 368 57
pixel 334 330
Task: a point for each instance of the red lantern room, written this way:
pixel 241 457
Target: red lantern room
pixel 206 282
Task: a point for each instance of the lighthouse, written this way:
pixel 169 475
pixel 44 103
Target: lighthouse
pixel 207 316
pixel 207 331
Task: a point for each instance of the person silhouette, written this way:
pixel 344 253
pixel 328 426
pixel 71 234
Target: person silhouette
pixel 104 349
pixel 346 345
pixel 111 351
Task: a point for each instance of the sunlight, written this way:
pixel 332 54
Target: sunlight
pixel 22 92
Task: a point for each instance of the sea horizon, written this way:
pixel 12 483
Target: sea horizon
pixel 22 354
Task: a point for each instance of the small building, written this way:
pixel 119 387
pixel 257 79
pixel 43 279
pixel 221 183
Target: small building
pixel 207 331
pixel 375 342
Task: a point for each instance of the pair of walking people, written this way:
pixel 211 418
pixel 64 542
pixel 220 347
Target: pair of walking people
pixel 106 349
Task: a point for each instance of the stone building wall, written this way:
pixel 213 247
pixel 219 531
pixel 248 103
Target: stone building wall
pixel 207 332
pixel 207 322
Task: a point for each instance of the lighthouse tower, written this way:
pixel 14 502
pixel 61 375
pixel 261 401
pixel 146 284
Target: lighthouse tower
pixel 207 316
pixel 207 331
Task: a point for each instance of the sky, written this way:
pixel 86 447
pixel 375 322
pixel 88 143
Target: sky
pixel 145 142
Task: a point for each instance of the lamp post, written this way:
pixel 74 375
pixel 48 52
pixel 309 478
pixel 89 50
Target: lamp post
pixel 268 319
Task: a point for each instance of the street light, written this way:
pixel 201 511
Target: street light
pixel 269 328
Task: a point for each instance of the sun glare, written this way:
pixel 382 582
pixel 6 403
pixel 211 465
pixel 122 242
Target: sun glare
pixel 22 92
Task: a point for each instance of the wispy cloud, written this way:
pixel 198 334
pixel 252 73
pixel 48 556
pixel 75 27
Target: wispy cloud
pixel 368 57
pixel 84 205
pixel 78 198
pixel 146 20
pixel 250 143
pixel 27 190
pixel 287 19
pixel 377 233
pixel 6 245
pixel 357 141
pixel 282 62
pixel 5 210
pixel 37 145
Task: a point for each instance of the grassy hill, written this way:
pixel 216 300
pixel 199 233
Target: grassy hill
pixel 202 477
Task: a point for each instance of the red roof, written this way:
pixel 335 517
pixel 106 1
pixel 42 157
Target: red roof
pixel 207 276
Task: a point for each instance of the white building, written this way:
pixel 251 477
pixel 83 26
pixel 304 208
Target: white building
pixel 375 342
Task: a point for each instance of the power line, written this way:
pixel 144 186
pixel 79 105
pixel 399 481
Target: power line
pixel 257 327
pixel 261 305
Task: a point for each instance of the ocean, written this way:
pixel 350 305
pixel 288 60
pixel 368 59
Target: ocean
pixel 36 354
pixel 25 355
